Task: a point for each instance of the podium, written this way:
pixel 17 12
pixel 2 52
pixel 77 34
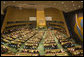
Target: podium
pixel 41 22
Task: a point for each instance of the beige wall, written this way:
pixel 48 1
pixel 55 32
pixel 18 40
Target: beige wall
pixel 41 22
pixel 20 15
pixel 15 14
pixel 56 15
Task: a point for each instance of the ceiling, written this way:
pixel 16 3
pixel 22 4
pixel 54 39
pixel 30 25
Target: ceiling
pixel 66 6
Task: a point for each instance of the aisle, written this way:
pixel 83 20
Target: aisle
pixel 11 49
pixel 57 42
pixel 41 46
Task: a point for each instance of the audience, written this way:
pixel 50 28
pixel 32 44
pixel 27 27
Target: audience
pixel 26 41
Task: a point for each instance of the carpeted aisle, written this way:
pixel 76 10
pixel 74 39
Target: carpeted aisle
pixel 41 46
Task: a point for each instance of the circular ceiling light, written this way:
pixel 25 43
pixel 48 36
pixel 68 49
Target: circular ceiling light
pixel 4 2
pixel 62 2
pixel 72 1
pixel 82 1
pixel 14 1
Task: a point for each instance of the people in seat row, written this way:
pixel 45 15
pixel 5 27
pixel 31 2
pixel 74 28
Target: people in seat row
pixel 26 43
pixel 49 41
pixel 55 52
pixel 69 44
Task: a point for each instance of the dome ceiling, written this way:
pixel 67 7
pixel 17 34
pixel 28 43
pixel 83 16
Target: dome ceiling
pixel 66 6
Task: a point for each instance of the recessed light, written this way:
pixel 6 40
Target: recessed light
pixel 81 1
pixel 4 2
pixel 72 1
pixel 62 2
pixel 13 1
